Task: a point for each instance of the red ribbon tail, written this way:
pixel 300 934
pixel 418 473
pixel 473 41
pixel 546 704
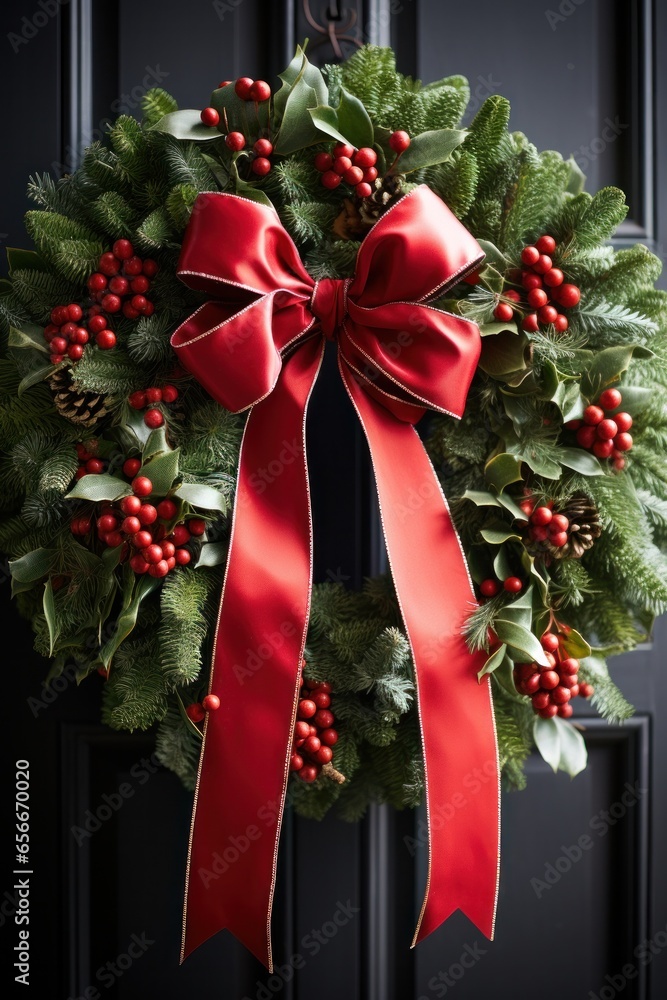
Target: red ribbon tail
pixel 435 593
pixel 259 644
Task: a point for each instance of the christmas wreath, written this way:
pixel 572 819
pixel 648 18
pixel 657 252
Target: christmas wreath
pixel 118 484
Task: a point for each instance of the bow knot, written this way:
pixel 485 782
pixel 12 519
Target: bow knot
pixel 328 304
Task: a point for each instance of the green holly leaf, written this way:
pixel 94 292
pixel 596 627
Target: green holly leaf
pixel 32 566
pixel 608 366
pixel 493 661
pixel 205 497
pixel 161 467
pixel 99 487
pixel 494 256
pixel 187 126
pixel 502 470
pixel 29 335
pixel 561 745
pixel 212 554
pixel 569 400
pixel 49 606
pixel 581 461
pixel 354 121
pixel 574 643
pixel 523 646
pixel 246 188
pixel 24 260
pixel 429 148
pixel 496 536
pixel 33 377
pixel 635 399
pixel 504 352
pixel 135 589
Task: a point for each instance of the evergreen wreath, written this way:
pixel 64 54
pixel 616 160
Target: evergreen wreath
pixel 118 479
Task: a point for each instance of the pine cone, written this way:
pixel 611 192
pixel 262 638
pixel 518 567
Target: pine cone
pixel 584 528
pixel 387 190
pixel 77 406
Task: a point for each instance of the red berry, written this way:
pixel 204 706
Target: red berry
pixel 569 665
pixel 166 509
pixel 559 522
pixel 131 525
pixel 109 264
pixel 548 712
pixel 59 315
pixel 607 429
pixel 537 298
pixel 301 730
pixel 224 83
pixel 539 533
pixel 196 526
pixel 565 711
pixel 159 569
pixel 140 284
pixel 549 680
pixel 363 190
pixel 111 303
pixel 107 522
pixel 554 277
pixel 603 449
pixel 370 175
pixel 399 141
pixel 263 147
pixel 610 399
pixel 312 744
pixel 119 285
pixel 623 421
pixel 260 91
pixel 324 755
pixel 512 584
pixel 80 336
pixel 560 695
pixel 527 506
pixel 168 549
pixel 561 323
pixel 309 773
pixel 97 323
pixel 94 466
pixel 322 699
pixel 242 87
pixel 353 175
pixel 195 712
pixel 96 282
pixel 139 302
pixel 324 719
pixel 568 295
pixel 153 419
pixel 210 117
pixel 330 179
pixel 260 166
pixel 586 690
pixel 558 539
pixel 74 312
pixel 143 539
pixel 549 642
pixel 153 553
pixel 296 762
pixel 131 466
pixel 547 314
pixel 489 588
pixel 530 255
pixel 541 515
pixel 182 557
pixel 540 700
pixel 235 140
pixel 529 323
pixel 342 164
pixel 532 684
pixel 147 513
pixel 343 149
pixel 123 249
pixel 138 564
pixel 570 682
pixel 180 535
pixel 623 442
pixel 503 312
pixel 329 737
pixel 130 505
pixel 58 345
pixel 586 436
pixel 542 264
pixel 593 415
pixel 546 244
pixel 365 157
pixel 134 266
pixel 530 280
pixel 142 486
pixel 210 703
pixel 169 393
pixel 137 400
pixel 306 709
pixel 323 161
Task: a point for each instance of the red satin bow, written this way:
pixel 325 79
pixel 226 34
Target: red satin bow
pixel 259 344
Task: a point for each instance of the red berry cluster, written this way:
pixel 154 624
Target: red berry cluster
pixel 545 290
pixel 141 528
pixel 122 281
pixel 89 463
pixel 354 167
pixel 143 398
pixel 65 334
pixel 247 90
pixel 198 709
pixel 491 587
pixel 552 687
pixel 606 436
pixel 314 735
pixel 545 526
